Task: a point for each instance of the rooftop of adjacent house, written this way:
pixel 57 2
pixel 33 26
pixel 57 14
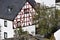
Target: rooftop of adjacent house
pixel 10 8
pixel 57 1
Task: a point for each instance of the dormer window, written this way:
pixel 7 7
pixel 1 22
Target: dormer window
pixel 10 8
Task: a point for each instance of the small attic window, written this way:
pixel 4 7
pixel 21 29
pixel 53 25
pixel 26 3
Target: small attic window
pixel 10 8
pixel 25 10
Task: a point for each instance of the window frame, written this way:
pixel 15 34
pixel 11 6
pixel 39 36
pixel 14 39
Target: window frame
pixel 18 24
pixel 5 23
pixel 5 35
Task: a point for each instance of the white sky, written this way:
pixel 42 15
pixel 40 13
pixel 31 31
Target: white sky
pixel 47 2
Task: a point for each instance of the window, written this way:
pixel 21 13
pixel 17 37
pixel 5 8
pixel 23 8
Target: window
pixel 0 28
pixel 5 23
pixel 5 34
pixel 26 11
pixel 18 24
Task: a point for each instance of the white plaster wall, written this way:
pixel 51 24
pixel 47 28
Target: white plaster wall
pixel 8 29
pixel 30 29
pixel 57 35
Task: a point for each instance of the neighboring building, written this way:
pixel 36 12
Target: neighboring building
pixel 15 13
pixel 57 1
pixel 50 3
pixel 57 35
pixel 58 10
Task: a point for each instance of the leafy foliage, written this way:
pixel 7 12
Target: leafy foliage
pixel 46 19
pixel 19 33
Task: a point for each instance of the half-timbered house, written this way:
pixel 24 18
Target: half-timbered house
pixel 15 13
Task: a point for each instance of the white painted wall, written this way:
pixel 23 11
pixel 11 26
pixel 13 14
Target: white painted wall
pixel 8 29
pixel 30 29
pixel 57 35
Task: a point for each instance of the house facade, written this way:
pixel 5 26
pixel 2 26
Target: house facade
pixel 15 13
pixel 6 29
pixel 25 18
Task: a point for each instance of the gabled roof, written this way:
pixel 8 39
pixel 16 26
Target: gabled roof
pixel 14 5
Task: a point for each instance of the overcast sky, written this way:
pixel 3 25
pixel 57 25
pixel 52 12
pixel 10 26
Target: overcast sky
pixel 46 2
